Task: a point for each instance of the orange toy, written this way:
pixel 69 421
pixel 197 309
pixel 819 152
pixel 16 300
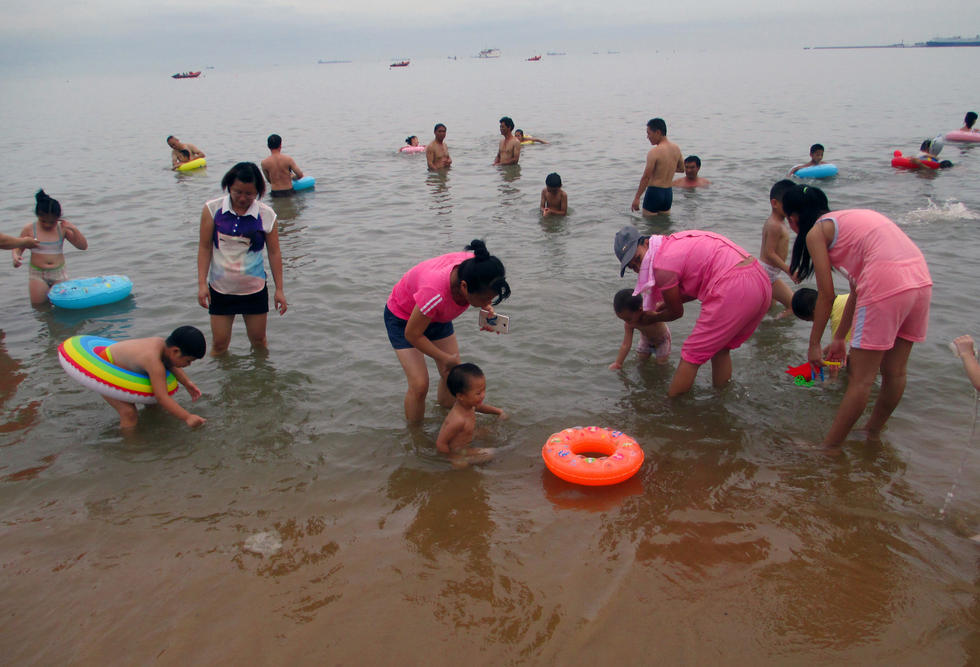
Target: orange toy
pixel 563 454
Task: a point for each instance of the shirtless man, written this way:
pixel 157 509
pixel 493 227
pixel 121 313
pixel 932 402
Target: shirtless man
pixel 509 151
pixel 181 152
pixel 690 179
pixel 663 161
pixel 437 152
pixel 280 169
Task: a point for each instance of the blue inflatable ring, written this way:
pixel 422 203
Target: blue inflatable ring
pixel 825 170
pixel 88 292
pixel 305 183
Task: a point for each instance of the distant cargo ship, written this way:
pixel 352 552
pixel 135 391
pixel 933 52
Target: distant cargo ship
pixel 954 41
pixel 489 53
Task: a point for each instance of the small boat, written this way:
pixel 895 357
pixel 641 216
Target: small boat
pixel 489 53
pixel 186 75
pixel 954 41
pixel 401 63
pixel 534 59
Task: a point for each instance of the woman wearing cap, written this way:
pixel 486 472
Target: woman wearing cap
pixel 888 303
pixel 731 285
pixel 420 312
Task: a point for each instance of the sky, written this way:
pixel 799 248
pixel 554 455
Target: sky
pixel 174 34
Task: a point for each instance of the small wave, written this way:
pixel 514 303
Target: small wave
pixel 949 210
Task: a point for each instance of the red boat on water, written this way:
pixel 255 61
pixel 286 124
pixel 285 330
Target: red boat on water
pixel 186 75
pixel 403 63
pixel 534 59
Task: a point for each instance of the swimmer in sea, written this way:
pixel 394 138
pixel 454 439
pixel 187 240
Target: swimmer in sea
pixel 816 157
pixel 437 152
pixel 527 138
pixel 280 169
pixel 181 152
pixel 968 121
pixel 690 179
pixel 554 201
pixel 663 161
pixel 509 151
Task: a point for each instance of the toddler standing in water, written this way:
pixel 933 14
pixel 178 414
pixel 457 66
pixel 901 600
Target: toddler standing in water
pixel 47 263
pixel 468 386
pixel 629 308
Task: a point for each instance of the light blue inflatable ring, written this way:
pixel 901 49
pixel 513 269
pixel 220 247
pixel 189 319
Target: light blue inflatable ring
pixel 88 292
pixel 825 170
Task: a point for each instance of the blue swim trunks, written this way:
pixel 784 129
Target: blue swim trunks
pixel 396 330
pixel 658 199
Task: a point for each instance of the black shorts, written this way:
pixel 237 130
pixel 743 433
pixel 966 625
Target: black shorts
pixel 239 304
pixel 282 193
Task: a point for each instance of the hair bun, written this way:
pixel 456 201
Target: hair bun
pixel 479 249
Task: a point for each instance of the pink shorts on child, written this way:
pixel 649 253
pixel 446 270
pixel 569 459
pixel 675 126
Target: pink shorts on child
pixel 903 315
pixel 737 303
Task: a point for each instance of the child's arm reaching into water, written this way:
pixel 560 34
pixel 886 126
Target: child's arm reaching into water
pixel 968 355
pixel 624 348
pixel 487 409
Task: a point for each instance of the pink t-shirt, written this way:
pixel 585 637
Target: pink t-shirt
pixel 426 285
pixel 694 260
pixel 875 255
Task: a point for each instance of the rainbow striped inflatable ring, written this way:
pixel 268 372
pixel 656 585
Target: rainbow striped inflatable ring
pixel 79 356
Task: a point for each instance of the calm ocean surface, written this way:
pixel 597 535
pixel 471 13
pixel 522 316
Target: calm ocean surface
pixel 732 545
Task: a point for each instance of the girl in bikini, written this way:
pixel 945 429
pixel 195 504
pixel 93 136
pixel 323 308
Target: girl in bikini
pixel 47 263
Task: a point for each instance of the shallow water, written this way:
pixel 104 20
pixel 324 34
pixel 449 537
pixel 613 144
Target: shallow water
pixel 733 544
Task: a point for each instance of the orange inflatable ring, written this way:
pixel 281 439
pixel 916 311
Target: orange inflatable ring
pixel 563 455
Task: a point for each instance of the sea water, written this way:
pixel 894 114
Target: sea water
pixel 306 522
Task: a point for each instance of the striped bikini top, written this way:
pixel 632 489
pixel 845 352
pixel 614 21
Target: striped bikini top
pixel 50 247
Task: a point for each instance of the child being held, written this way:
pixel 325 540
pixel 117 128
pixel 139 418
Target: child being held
pixel 654 337
pixel 554 201
pixel 775 245
pixel 468 386
pixel 816 157
pixel 47 263
pixel 154 357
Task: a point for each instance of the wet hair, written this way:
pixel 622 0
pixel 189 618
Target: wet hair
pixel 408 139
pixel 169 137
pixel 46 205
pixel 274 141
pixel 945 164
pixel 816 147
pixel 970 118
pixel 809 203
pixel 518 131
pixel 553 180
pixel 926 145
pixel 483 272
pixel 189 340
pixel 508 122
pixel 693 158
pixel 438 125
pixel 804 303
pixel 625 300
pixel 658 124
pixel 246 172
pixel 779 188
pixel 458 379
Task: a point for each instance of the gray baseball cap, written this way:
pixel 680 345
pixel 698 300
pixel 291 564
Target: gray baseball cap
pixel 625 246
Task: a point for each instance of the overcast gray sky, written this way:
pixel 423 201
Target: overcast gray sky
pixel 57 33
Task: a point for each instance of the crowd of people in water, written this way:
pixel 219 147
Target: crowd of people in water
pixel 873 327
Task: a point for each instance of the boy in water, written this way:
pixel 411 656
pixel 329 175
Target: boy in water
pixel 154 357
pixel 816 157
pixel 554 201
pixel 629 308
pixel 468 385
pixel 775 245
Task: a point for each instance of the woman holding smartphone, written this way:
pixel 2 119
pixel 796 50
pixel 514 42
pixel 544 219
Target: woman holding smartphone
pixel 420 311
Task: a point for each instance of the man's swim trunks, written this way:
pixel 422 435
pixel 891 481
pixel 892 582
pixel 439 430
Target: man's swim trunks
pixel 658 199
pixel 282 193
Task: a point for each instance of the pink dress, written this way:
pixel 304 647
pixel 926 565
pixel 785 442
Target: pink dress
pixel 427 286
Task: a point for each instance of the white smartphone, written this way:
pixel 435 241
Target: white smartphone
pixel 499 323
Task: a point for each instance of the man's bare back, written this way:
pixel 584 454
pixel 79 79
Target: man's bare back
pixel 664 161
pixel 280 170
